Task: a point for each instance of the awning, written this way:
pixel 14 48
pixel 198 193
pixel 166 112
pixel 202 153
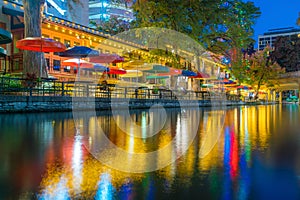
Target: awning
pixel 5 36
pixel 13 9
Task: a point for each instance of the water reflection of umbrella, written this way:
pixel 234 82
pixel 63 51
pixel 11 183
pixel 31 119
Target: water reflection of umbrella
pixel 40 44
pixel 79 52
pixel 5 36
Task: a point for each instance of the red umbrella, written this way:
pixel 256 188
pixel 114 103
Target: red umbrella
pixel 107 58
pixel 40 44
pixel 113 70
pixel 201 75
pixel 75 63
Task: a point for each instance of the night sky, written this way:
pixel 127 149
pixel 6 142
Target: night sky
pixel 276 14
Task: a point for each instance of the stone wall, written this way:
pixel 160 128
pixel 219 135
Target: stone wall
pixel 9 104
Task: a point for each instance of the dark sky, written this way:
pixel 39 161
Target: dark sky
pixel 276 14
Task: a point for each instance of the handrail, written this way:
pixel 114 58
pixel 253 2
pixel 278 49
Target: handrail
pixel 52 87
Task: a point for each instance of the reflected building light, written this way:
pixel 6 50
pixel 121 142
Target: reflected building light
pixel 77 163
pixel 144 126
pixel 247 142
pixel 56 191
pixel 234 157
pixel 105 188
pixel 126 191
pixel 131 141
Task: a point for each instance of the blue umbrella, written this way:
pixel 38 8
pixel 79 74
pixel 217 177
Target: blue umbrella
pixel 188 73
pixel 101 68
pixel 79 52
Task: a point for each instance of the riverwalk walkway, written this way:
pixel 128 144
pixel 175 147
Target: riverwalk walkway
pixel 52 96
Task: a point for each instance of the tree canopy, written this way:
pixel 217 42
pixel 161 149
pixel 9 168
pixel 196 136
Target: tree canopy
pixel 257 69
pixel 218 25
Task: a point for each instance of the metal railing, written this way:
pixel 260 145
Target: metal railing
pixel 51 87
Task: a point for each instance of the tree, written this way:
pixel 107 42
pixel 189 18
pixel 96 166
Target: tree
pixel 287 53
pixel 217 25
pixel 33 10
pixel 113 26
pixel 32 21
pixel 258 69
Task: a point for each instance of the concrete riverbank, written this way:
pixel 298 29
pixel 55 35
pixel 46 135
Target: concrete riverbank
pixel 13 104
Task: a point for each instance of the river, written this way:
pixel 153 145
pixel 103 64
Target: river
pixel 246 152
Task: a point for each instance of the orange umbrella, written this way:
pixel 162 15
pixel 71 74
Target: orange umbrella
pixel 40 44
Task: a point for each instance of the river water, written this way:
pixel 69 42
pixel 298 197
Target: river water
pixel 233 153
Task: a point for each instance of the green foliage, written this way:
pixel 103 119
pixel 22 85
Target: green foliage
pixel 257 69
pixel 216 24
pixel 11 81
pixel 113 26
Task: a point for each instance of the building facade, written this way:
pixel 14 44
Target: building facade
pixel 103 10
pixel 269 37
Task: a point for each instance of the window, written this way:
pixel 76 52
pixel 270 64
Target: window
pixel 57 39
pixel 76 44
pixel 56 65
pixel 48 63
pixel 107 51
pixel 100 50
pixel 67 43
pixel 45 36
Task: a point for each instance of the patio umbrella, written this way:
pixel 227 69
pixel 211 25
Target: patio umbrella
pixel 5 36
pixel 188 73
pixel 107 58
pixel 131 73
pixel 172 72
pixel 158 69
pixel 201 75
pixel 79 52
pixel 75 62
pixel 40 44
pixel 243 87
pixel 101 68
pixel 114 70
pixel 156 77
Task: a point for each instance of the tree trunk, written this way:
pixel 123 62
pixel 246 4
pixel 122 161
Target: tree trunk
pixel 33 62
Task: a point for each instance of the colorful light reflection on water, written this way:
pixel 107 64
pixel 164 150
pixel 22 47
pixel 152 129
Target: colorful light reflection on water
pixel 43 157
